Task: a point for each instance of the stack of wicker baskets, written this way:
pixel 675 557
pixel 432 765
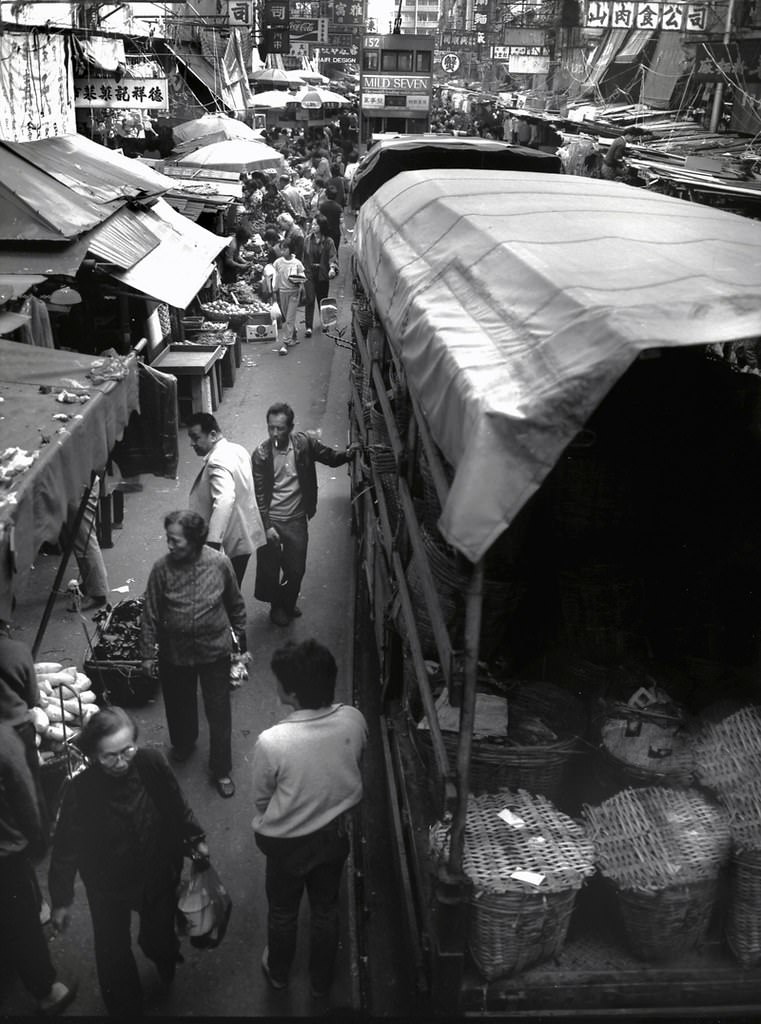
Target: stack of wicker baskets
pixel 526 865
pixel 546 725
pixel 662 849
pixel 728 757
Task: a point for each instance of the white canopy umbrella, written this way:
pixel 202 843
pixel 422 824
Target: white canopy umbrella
pixel 297 77
pixel 274 99
pixel 235 155
pixel 219 125
pixel 313 96
pixel 275 76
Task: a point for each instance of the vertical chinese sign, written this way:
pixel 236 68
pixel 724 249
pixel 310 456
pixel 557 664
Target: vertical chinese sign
pixel 36 87
pixel 276 22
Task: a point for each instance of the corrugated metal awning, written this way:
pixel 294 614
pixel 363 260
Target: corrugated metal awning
pixel 91 170
pixel 124 239
pixel 64 259
pixel 176 269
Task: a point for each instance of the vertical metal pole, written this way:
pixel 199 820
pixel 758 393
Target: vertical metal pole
pixel 718 96
pixel 473 604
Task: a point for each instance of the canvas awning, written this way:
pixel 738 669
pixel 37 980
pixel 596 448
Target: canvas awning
pixel 35 503
pixel 517 300
pixel 174 270
pixel 604 56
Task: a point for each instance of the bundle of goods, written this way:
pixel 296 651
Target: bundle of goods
pixel 67 700
pixel 728 759
pixel 543 729
pixel 115 664
pixel 647 739
pixel 526 862
pixel 244 293
pixel 662 850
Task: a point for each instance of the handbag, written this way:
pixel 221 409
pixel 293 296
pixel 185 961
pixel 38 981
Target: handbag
pixel 203 905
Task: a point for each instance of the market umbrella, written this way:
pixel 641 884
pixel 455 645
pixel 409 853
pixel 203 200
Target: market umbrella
pixel 219 125
pixel 296 77
pixel 274 99
pixel 234 155
pixel 313 96
pixel 313 77
pixel 272 75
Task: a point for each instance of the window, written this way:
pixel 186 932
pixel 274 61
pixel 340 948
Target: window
pixel 404 62
pixel 370 60
pixel 388 60
pixel 423 62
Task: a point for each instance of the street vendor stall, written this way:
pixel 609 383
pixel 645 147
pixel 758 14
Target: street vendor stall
pixel 555 381
pixel 53 440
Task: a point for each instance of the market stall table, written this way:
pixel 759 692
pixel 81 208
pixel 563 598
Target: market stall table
pixel 35 501
pixel 200 364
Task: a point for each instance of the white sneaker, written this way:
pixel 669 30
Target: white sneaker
pixel 283 350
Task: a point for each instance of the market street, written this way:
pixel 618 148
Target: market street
pixel 227 981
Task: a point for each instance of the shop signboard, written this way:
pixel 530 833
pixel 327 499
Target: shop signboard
pixel 450 63
pixel 740 61
pixel 528 64
pixel 276 22
pixel 240 13
pixel 36 86
pixel 342 55
pixel 129 94
pixel 674 17
pixel 304 30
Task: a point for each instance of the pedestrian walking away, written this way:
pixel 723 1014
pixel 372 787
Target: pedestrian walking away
pixel 307 779
pixel 223 493
pixel 285 482
pixel 321 266
pixel 22 838
pixel 193 610
pixel 124 826
pixel 289 287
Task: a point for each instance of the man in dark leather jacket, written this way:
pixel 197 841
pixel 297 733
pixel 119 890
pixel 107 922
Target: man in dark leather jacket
pixel 285 483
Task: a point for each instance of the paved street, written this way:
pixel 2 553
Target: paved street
pixel 313 378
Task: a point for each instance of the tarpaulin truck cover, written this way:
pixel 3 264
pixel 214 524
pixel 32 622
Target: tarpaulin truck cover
pixel 516 300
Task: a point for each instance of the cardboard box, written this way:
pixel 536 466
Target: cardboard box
pixel 261 332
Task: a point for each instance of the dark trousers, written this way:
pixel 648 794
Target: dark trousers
pixel 314 291
pixel 314 862
pixel 180 684
pixel 280 567
pixel 239 563
pixel 115 962
pixel 21 936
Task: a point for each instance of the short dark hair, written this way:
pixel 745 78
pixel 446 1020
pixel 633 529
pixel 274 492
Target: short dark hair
pixel 285 177
pixel 331 191
pixel 194 527
pixel 205 421
pixel 242 234
pixel 281 409
pixel 308 671
pixel 103 723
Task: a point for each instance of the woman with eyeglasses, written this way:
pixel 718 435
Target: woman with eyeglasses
pixel 124 825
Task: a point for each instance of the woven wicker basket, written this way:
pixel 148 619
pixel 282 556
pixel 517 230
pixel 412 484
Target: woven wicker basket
pixel 743 925
pixel 728 753
pixel 662 849
pixel 540 768
pixel 514 923
pixel 646 747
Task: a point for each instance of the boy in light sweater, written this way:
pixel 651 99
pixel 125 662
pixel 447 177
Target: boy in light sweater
pixel 289 287
pixel 307 778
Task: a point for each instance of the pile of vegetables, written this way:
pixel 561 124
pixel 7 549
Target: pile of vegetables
pixel 67 701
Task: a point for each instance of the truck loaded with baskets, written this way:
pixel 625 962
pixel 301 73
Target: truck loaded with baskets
pixel 556 631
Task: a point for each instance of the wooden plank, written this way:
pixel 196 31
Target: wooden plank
pixel 439 750
pixel 388 413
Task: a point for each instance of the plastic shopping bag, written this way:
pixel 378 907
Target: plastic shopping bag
pixel 204 906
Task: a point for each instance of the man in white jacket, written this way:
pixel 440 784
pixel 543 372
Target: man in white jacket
pixel 223 493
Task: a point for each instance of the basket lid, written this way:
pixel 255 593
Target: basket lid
pixel 650 839
pixel 518 842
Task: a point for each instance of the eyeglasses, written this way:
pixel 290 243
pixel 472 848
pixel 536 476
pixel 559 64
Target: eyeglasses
pixel 118 755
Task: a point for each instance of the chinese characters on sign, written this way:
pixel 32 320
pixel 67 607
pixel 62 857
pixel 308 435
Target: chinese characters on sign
pixel 480 15
pixel 240 12
pixel 450 63
pixel 276 23
pixel 675 17
pixel 140 93
pixel 35 87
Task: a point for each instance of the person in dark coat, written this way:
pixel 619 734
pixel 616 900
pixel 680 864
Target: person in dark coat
pixel 320 266
pixel 22 838
pixel 124 825
pixel 332 211
pixel 285 482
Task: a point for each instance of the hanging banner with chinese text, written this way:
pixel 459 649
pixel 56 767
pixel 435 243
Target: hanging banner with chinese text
pixel 675 17
pixel 130 93
pixel 740 61
pixel 36 87
pixel 240 13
